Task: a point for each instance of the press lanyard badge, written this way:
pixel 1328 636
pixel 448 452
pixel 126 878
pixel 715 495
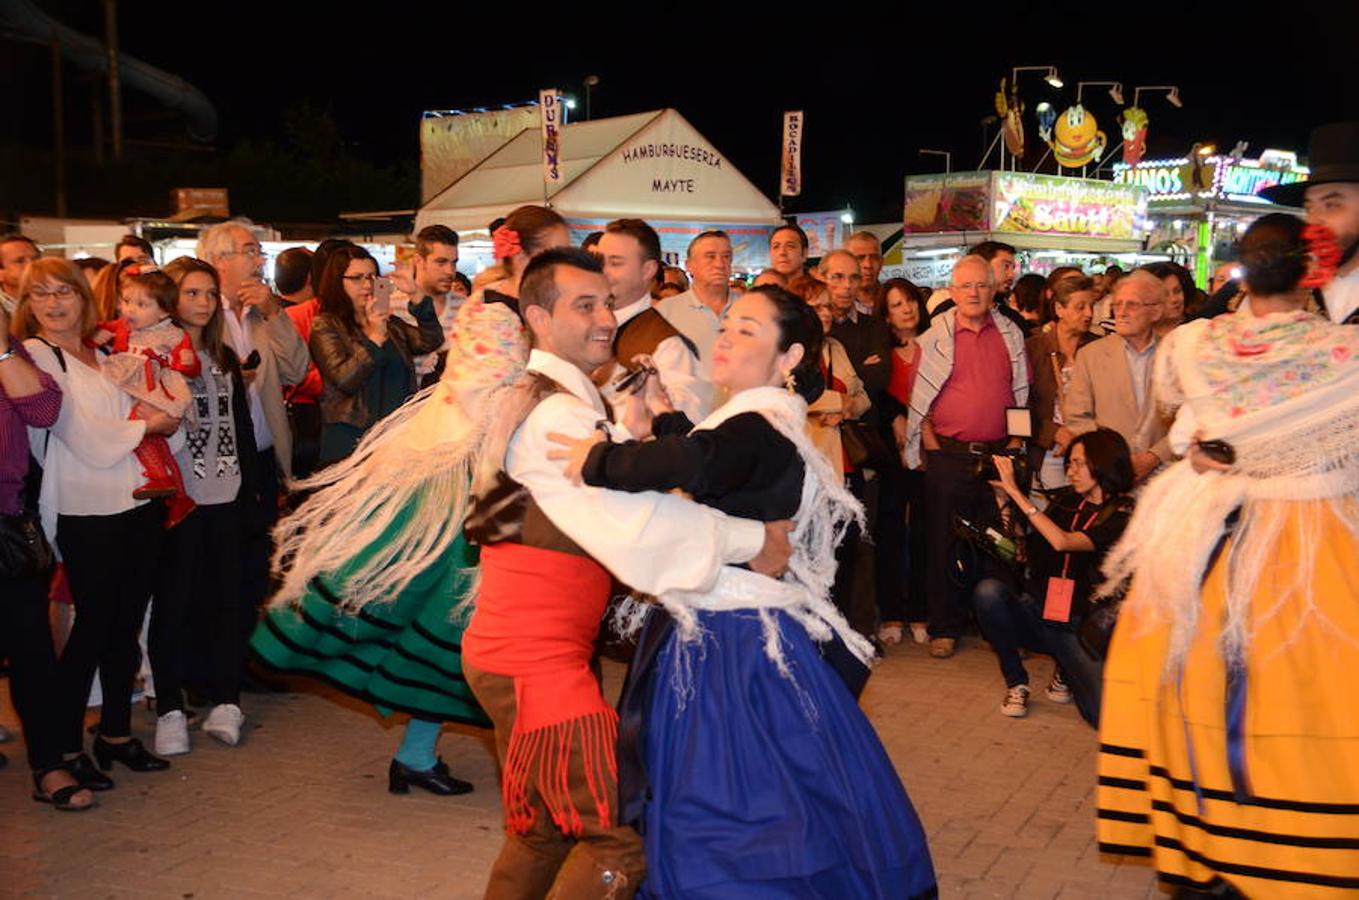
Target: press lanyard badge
pixel 1061 589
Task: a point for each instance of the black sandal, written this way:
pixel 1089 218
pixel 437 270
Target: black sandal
pixel 61 797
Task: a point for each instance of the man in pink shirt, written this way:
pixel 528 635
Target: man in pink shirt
pixel 972 368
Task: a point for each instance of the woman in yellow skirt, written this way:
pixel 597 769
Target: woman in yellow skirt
pixel 1229 742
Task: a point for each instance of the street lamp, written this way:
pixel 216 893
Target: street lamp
pixel 948 158
pixel 1050 74
pixel 591 82
pixel 1172 93
pixel 1115 90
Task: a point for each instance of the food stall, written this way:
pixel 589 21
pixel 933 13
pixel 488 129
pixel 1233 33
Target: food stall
pixel 1199 208
pixel 1051 220
pixel 652 165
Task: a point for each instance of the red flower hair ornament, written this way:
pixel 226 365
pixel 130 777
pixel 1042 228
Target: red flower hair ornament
pixel 505 242
pixel 1324 251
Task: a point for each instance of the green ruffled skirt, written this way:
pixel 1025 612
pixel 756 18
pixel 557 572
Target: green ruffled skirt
pixel 402 656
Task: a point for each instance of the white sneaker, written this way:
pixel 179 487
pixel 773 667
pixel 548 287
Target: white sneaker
pixel 172 734
pixel 1016 704
pixel 1058 690
pixel 224 723
pixel 890 634
pixel 920 633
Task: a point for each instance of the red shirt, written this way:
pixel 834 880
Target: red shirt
pixel 309 390
pixel 903 376
pixel 971 405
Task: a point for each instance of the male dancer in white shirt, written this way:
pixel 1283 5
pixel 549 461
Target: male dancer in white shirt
pixel 545 545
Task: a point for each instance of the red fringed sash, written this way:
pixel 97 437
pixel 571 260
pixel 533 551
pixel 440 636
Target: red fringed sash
pixel 544 759
pixel 537 614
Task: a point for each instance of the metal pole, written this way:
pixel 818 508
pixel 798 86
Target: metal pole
pixel 96 124
pixel 992 147
pixel 58 127
pixel 115 93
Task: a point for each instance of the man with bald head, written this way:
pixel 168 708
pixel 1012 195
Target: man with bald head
pixel 972 369
pixel 867 340
pixel 1111 377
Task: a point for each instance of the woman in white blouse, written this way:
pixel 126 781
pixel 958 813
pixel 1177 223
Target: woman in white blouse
pixel 109 542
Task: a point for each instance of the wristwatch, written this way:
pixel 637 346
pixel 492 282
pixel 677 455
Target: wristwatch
pixel 1032 511
pixel 7 354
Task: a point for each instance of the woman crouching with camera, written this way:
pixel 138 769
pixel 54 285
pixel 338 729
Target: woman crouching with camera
pixel 1045 612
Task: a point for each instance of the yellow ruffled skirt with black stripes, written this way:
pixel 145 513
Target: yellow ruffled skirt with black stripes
pixel 1247 774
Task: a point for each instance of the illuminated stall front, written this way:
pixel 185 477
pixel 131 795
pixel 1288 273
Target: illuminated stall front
pixel 1051 220
pixel 1199 208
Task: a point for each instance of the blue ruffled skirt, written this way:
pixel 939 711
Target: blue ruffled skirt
pixel 763 786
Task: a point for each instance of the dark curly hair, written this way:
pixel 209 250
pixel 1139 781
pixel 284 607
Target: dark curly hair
pixel 1274 254
pixel 798 324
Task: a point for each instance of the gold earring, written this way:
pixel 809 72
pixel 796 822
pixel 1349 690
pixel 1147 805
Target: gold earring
pixel 789 381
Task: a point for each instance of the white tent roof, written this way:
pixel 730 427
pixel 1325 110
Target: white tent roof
pixel 652 165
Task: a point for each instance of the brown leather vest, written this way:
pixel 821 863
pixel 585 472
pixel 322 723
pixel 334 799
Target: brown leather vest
pixel 504 511
pixel 643 333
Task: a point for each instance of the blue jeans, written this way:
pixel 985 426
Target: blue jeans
pixel 1012 620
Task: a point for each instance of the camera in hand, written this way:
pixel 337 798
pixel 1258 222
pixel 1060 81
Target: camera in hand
pixel 985 467
pixel 1018 424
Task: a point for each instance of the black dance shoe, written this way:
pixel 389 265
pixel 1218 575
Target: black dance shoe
pixel 437 780
pixel 131 754
pixel 83 770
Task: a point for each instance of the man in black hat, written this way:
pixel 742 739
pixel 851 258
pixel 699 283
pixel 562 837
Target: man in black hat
pixel 1330 197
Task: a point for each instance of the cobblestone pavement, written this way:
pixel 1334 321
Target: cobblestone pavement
pixel 301 808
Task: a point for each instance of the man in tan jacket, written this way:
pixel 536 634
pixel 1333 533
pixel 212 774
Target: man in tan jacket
pixel 1111 381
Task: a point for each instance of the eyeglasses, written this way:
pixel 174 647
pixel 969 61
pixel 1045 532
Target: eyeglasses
pixel 253 250
pixel 1133 306
pixel 977 286
pixel 1077 464
pixel 65 292
pixel 368 277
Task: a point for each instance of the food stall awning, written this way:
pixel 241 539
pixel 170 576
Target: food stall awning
pixel 652 165
pixel 912 242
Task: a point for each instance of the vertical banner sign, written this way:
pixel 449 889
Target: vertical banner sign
pixel 790 180
pixel 550 104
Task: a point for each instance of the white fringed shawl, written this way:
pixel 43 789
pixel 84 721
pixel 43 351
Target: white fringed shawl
pixel 824 513
pixel 1283 390
pixel 399 500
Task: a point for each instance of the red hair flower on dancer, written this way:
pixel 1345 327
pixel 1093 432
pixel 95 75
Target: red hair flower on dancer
pixel 1324 250
pixel 506 242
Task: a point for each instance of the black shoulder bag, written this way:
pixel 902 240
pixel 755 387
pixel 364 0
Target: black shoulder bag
pixel 24 550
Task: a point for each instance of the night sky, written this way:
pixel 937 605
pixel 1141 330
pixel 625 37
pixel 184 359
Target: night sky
pixel 876 86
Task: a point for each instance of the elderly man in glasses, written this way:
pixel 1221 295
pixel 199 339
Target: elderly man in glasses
pixel 1111 378
pixel 272 354
pixel 972 369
